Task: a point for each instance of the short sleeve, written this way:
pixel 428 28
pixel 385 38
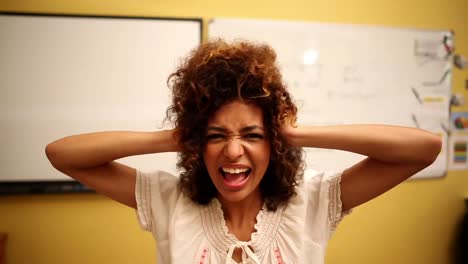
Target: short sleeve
pixel 335 206
pixel 324 206
pixel 156 195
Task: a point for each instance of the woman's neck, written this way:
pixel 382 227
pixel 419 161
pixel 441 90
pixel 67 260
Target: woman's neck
pixel 242 214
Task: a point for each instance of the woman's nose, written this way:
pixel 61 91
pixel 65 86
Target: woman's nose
pixel 233 148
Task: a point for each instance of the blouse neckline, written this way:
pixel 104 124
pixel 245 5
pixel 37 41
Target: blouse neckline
pixel 217 233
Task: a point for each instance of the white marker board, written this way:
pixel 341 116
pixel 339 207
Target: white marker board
pixel 347 74
pixel 62 75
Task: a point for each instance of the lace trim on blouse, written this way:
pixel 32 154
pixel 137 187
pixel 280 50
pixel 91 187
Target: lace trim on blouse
pixel 218 235
pixel 335 208
pixel 143 198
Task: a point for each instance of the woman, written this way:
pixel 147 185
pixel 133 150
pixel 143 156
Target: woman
pixel 242 195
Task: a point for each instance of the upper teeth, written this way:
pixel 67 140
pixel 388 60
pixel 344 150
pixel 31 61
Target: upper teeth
pixel 235 170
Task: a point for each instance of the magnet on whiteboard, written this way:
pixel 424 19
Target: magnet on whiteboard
pixel 460 61
pixel 457 99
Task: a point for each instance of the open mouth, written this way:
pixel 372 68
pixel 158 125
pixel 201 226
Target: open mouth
pixel 235 177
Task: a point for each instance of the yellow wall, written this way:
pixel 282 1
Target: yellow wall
pixel 414 223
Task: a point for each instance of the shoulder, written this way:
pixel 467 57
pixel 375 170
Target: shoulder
pixel 318 185
pixel 317 178
pixel 160 181
pixel 307 220
pixel 156 194
pixel 317 204
pixel 160 175
pixel 156 187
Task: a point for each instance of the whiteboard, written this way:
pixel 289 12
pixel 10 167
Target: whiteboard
pixel 65 75
pixel 349 74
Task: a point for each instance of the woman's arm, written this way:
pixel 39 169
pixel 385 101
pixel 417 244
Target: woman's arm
pixel 393 155
pixel 89 158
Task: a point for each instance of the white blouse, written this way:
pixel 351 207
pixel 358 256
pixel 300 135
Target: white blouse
pixel 190 233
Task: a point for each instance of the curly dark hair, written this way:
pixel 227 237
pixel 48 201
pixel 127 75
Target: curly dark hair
pixel 216 73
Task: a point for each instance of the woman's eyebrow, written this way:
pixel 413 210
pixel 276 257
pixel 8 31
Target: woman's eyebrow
pixel 243 130
pixel 251 128
pixel 216 128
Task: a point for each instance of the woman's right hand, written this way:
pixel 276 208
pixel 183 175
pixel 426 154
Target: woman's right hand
pixel 90 159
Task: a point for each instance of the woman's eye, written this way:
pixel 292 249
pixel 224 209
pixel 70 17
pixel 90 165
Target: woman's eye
pixel 254 136
pixel 214 136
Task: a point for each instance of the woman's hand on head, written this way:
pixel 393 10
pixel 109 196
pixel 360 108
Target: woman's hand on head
pixel 291 133
pixel 393 153
pixel 176 139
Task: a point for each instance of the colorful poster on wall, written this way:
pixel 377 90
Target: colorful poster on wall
pixel 458 159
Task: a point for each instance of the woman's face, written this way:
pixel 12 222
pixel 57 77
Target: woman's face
pixel 237 151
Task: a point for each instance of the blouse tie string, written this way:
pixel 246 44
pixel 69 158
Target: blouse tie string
pixel 246 251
